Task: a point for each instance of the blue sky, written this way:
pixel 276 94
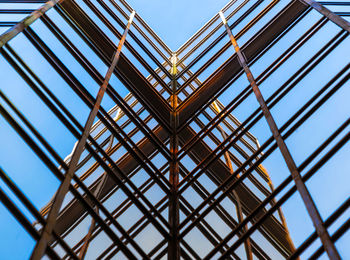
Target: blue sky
pixel 175 21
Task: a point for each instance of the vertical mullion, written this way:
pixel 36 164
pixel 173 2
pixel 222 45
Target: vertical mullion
pixel 174 245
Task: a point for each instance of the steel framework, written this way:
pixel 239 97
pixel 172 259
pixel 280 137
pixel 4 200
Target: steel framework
pixel 173 170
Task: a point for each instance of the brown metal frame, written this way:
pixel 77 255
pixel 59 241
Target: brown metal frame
pixel 173 131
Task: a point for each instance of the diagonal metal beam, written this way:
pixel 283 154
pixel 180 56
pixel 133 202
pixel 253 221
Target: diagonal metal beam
pixel 74 211
pixel 338 20
pixel 128 74
pixel 22 25
pixel 46 234
pixel 145 92
pixel 230 68
pixel 301 187
pixel 218 172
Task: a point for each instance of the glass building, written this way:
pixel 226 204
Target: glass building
pixel 234 146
